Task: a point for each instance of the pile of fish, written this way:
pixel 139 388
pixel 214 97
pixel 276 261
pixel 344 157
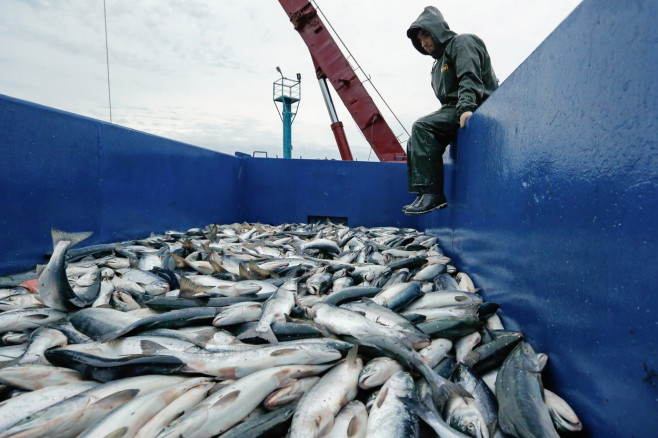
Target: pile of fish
pixel 246 330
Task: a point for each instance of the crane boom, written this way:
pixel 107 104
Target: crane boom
pixel 332 65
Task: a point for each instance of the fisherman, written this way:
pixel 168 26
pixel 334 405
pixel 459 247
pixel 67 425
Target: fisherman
pixel 462 78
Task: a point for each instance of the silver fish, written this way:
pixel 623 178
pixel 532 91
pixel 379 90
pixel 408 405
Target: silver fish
pixel 25 319
pixel 436 351
pixel 563 416
pixel 444 298
pixel 41 340
pixel 237 364
pixel 183 403
pixel 317 408
pixel 36 376
pixel 522 410
pixel 289 393
pixel 388 318
pixel 351 421
pixel 376 372
pixel 20 301
pixel 16 408
pixel 232 403
pixel 72 416
pixel 276 309
pixel 238 313
pixel 398 295
pixel 127 419
pixel 391 416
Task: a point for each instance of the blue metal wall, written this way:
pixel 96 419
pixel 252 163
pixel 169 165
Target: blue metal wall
pixel 368 194
pixel 552 192
pixel 554 210
pixel 77 174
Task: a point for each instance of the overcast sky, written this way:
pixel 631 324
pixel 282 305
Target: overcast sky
pixel 201 71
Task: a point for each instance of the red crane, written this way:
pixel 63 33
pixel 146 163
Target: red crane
pixel 331 65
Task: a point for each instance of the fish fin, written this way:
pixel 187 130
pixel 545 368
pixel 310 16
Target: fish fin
pixel 445 391
pixel 118 398
pixel 324 427
pixel 404 339
pixel 74 238
pixel 284 378
pixel 190 290
pixel 36 317
pixel 215 257
pixel 253 332
pixel 150 347
pixel 355 427
pixel 180 261
pixel 415 318
pixel 228 398
pixel 244 272
pixel 39 269
pixel 423 410
pixel 352 355
pixel 216 267
pixel 202 336
pixel 117 433
pixel 268 335
pixel 381 397
pixel 76 303
pixel 247 334
pixel 418 342
pixel 284 351
pixel 211 234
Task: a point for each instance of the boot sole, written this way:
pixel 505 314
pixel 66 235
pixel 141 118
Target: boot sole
pixel 415 213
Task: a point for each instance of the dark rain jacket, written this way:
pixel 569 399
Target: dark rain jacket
pixel 462 74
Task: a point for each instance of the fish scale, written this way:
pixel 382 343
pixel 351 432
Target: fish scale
pixel 291 270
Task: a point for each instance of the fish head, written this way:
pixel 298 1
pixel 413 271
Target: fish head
pixel 312 311
pixel 527 357
pixel 369 377
pixel 468 420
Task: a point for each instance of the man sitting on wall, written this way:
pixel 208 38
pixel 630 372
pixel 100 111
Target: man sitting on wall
pixel 462 78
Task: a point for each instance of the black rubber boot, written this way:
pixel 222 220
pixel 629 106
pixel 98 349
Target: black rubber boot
pixel 414 203
pixel 428 202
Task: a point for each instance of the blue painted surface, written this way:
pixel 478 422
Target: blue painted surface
pixel 78 174
pixel 368 194
pixel 552 191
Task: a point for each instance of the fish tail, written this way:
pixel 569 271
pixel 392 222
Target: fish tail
pixel 253 332
pixel 74 238
pixel 442 389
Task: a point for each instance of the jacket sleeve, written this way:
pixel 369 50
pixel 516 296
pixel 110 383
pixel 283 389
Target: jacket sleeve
pixel 468 54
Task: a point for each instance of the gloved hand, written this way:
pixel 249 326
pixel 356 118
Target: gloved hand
pixel 464 117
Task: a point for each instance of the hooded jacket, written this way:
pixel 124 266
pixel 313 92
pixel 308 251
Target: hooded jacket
pixel 462 74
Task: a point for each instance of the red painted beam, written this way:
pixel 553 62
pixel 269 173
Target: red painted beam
pixel 330 62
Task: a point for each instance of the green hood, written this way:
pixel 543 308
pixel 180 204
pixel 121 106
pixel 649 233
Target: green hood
pixel 433 23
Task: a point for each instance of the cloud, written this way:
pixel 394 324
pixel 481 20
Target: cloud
pixel 201 71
